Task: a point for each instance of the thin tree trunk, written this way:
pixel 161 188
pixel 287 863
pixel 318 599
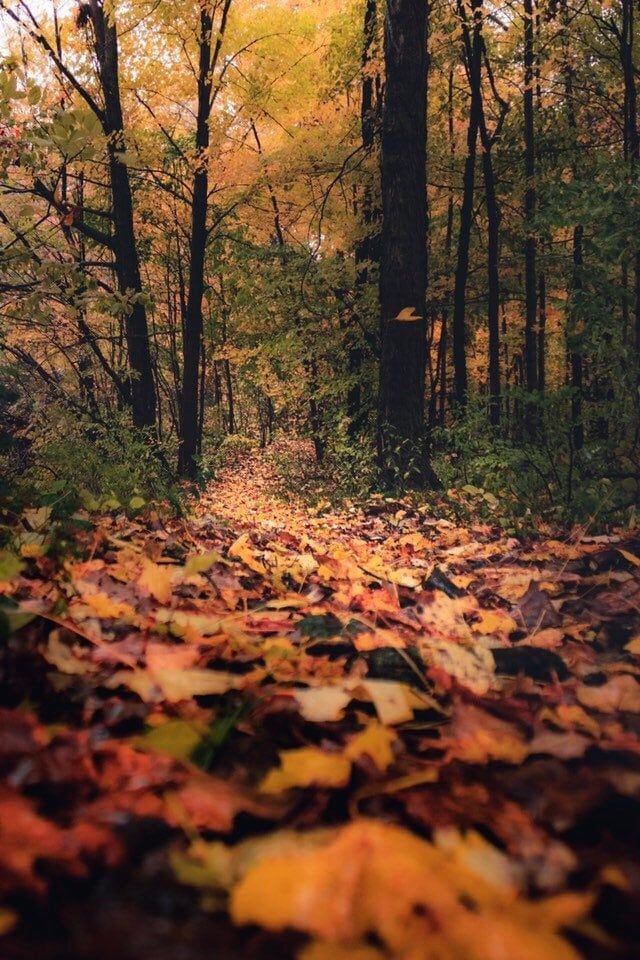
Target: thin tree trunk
pixel 189 400
pixel 444 315
pixel 577 428
pixel 493 277
pixel 473 54
pixel 575 352
pixel 530 246
pixel 541 349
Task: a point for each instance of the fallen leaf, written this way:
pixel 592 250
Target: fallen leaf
pixel 622 692
pixel 306 767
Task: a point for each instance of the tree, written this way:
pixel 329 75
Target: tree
pixel 209 53
pixel 530 201
pixel 403 259
pixel 102 39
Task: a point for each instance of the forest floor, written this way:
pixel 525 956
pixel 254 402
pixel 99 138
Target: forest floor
pixel 272 731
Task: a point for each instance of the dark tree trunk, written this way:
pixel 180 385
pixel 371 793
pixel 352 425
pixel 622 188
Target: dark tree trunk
pixel 577 428
pixel 530 246
pixel 493 277
pixel 575 351
pixel 192 332
pixel 631 132
pixel 541 350
pixel 444 314
pixel 143 394
pixel 473 54
pixel 192 343
pixel 403 263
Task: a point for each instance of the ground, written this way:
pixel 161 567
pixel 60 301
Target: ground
pixel 271 730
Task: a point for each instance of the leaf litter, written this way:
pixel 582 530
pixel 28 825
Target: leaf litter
pixel 368 733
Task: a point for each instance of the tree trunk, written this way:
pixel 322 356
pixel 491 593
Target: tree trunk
pixel 143 394
pixel 493 277
pixel 192 336
pixel 631 133
pixel 530 247
pixel 577 429
pixel 403 265
pixel 575 352
pixel 473 53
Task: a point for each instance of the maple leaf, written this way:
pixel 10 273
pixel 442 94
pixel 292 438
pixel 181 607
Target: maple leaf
pixel 422 901
pixel 157 579
pixel 622 692
pixel 305 767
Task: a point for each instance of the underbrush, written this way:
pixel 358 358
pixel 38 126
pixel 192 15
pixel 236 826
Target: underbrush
pixel 484 476
pixel 546 480
pixel 63 464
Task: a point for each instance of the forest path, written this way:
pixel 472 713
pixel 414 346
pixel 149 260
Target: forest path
pixel 383 534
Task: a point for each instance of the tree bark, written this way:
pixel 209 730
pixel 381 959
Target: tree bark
pixel 530 200
pixel 631 132
pixel 143 394
pixel 403 264
pixel 192 339
pixel 473 54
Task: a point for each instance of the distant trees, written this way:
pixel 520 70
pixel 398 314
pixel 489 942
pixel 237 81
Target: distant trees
pixel 386 226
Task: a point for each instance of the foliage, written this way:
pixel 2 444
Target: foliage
pixel 77 462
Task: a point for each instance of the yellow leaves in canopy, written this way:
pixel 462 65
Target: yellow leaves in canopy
pixel 422 901
pixel 305 767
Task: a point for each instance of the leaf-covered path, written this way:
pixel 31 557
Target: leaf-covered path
pixel 274 731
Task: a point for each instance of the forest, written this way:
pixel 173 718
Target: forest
pixel 319 479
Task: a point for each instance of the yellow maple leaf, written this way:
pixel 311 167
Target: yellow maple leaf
pixel 243 551
pixel 494 622
pixel 103 607
pixel 375 741
pixel 421 901
pixel 306 766
pixel 157 579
